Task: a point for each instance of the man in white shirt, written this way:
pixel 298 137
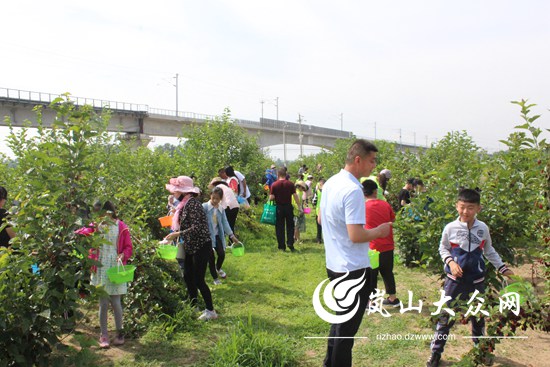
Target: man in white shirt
pixel 244 191
pixel 342 216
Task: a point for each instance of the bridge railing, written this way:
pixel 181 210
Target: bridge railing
pixel 183 114
pixel 295 127
pixel 47 98
pixel 24 96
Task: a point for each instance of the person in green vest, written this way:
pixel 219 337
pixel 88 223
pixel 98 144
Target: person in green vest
pixel 316 201
pixel 381 181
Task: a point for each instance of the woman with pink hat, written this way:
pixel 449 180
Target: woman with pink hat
pixel 191 225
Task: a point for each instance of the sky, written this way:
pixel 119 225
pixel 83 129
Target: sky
pixel 408 71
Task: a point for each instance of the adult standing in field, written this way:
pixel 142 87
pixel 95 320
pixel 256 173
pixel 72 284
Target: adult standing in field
pixel 244 191
pixel 404 197
pixel 229 200
pixel 197 243
pixel 381 181
pixel 299 216
pixel 7 233
pixel 316 201
pixel 233 183
pixel 302 170
pixel 282 192
pixel 342 215
pixel 270 175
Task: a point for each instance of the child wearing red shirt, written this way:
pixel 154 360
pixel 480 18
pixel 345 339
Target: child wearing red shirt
pixel 377 212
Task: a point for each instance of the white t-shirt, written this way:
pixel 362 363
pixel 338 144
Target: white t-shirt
pixel 343 203
pixel 229 200
pixel 241 177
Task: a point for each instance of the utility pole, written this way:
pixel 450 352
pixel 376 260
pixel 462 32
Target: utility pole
pixel 177 89
pixel 342 121
pixel 414 134
pixel 300 136
pixel 400 143
pixel 262 102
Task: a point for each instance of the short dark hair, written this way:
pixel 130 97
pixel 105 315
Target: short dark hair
pixel 218 191
pixel 360 147
pixel 230 171
pixel 3 193
pixel 369 187
pixel 469 196
pixel 281 172
pixel 410 181
pixel 110 207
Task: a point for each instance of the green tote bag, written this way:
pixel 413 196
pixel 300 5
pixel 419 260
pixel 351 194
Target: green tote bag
pixel 269 214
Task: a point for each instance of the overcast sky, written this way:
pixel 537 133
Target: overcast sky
pixel 420 67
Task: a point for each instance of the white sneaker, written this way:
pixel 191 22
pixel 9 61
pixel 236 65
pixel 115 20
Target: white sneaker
pixel 208 315
pixel 222 274
pixel 217 281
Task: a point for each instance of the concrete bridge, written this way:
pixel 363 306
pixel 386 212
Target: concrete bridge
pixel 141 121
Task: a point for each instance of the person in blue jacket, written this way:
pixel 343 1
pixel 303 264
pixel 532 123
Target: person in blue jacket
pixel 218 227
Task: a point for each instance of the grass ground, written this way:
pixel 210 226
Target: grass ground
pixel 275 290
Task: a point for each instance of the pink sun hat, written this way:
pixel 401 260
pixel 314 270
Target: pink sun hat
pixel 183 184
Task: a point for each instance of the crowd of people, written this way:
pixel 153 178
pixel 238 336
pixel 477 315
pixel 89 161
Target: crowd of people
pixel 352 216
pixel 351 226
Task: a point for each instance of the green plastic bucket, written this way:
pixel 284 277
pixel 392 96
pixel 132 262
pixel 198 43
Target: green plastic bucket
pixel 237 249
pixel 167 252
pixel 374 257
pixel 121 273
pixel 523 289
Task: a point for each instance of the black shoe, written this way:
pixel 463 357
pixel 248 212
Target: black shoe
pixel 292 249
pixel 393 303
pixel 434 360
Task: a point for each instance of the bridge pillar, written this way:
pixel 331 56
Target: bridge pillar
pixel 136 140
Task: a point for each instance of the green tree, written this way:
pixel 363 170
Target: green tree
pixel 53 181
pixel 219 143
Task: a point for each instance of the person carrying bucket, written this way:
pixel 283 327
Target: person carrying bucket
pixel 117 249
pixel 378 211
pixel 218 228
pixel 190 223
